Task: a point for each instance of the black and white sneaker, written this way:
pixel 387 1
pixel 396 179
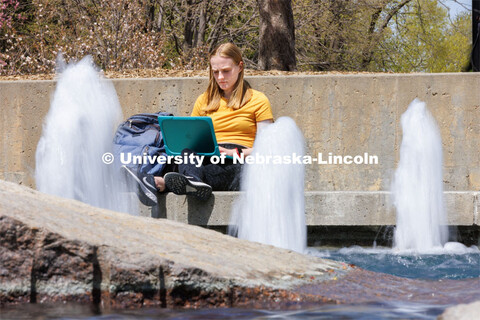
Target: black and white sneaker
pixel 180 184
pixel 146 191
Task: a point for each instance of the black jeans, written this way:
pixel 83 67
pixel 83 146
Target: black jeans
pixel 221 177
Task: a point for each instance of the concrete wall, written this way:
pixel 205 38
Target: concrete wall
pixel 341 114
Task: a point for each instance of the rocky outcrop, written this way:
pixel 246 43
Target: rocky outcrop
pixel 54 249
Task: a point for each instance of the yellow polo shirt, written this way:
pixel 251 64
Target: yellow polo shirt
pixel 237 126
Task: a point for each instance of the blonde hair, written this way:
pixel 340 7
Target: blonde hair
pixel 240 94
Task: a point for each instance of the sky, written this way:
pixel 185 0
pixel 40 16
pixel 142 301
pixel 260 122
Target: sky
pixel 455 6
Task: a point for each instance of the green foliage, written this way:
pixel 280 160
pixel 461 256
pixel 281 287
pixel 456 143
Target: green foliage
pixel 422 38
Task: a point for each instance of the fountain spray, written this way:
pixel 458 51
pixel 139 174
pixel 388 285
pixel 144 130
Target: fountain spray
pixel 271 209
pixel 77 131
pixel 417 187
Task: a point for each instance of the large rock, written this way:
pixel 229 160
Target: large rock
pixel 54 249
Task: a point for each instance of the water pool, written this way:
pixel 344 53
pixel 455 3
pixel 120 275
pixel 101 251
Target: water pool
pixel 372 311
pixel 433 266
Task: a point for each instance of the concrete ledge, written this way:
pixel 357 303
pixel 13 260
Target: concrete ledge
pixel 330 208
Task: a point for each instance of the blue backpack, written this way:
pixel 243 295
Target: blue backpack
pixel 140 135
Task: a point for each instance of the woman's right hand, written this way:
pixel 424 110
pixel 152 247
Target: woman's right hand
pixel 228 152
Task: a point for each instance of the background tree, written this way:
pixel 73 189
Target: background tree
pixel 277 35
pixel 329 35
pixel 13 15
pixel 113 32
pixel 196 27
pixel 341 34
pixel 422 38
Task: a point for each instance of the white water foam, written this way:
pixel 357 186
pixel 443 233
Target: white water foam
pixel 271 209
pixel 78 130
pixel 448 248
pixel 417 186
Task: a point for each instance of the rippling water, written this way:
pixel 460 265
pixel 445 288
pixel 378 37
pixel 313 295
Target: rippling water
pixel 364 311
pixel 434 266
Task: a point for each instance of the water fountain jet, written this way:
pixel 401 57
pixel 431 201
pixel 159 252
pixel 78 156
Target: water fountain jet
pixel 417 186
pixel 271 209
pixel 78 130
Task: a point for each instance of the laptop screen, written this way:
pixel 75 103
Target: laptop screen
pixel 194 133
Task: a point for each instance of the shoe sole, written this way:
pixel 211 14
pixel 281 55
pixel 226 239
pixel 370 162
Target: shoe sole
pixel 180 185
pixel 149 199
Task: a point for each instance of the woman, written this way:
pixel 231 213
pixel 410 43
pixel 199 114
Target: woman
pixel 237 112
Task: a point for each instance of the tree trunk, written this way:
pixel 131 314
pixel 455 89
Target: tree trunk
pixel 189 27
pixel 199 35
pixel 159 19
pixel 277 35
pixel 150 16
pixel 338 9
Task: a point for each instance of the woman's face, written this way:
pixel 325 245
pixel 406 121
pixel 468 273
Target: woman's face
pixel 226 72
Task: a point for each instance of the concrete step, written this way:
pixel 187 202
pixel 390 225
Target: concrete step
pixel 322 208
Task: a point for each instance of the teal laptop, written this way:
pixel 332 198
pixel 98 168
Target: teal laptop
pixel 194 133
